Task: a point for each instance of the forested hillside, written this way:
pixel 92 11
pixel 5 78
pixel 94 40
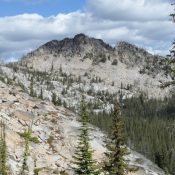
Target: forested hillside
pixel 150 128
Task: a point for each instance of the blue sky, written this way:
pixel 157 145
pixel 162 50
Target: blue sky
pixel 42 7
pixel 27 24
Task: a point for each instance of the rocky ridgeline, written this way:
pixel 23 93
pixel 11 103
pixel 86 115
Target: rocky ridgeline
pixel 134 56
pixel 124 64
pixel 55 130
pixel 82 48
pixel 84 65
pixel 79 46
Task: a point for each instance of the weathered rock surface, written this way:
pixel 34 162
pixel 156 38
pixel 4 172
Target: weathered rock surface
pixel 124 64
pixel 56 129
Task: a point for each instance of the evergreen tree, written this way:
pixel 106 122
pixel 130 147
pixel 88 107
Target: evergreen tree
pixel 60 70
pixel 59 102
pixel 52 67
pixel 159 159
pixel 27 136
pixel 85 165
pixel 3 150
pixel 154 118
pixel 41 94
pixel 32 93
pixel 116 163
pixel 54 98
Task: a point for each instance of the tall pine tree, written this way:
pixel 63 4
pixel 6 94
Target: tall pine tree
pixel 41 94
pixel 116 163
pixel 54 98
pixel 85 165
pixel 3 150
pixel 31 89
pixel 27 136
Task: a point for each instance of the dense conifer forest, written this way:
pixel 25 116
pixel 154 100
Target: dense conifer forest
pixel 150 127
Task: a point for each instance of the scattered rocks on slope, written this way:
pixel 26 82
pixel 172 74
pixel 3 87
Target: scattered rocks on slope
pixel 56 129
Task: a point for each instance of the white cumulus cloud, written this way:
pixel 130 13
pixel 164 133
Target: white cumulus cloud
pixel 135 10
pixel 141 22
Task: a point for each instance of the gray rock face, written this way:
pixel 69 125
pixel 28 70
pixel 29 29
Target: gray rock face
pixel 56 129
pixel 133 56
pixel 87 65
pixel 81 45
pixel 125 65
pixel 92 52
pixel 97 51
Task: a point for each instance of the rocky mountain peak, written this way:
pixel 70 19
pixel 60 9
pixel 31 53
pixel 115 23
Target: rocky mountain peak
pixel 78 42
pixel 132 55
pixel 124 46
pixel 84 51
pixel 80 47
pixel 80 36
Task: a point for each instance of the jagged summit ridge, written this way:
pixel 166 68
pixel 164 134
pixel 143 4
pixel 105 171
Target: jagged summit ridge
pixel 132 55
pixel 90 50
pixel 82 55
pixel 76 45
pixel 81 48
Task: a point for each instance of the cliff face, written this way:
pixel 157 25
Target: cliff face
pixel 56 130
pixel 80 46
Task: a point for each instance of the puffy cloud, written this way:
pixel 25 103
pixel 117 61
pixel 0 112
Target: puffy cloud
pixel 135 10
pixel 140 24
pixel 19 34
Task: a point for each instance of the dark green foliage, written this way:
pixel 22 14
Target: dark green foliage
pixel 116 163
pixel 150 128
pixel 160 159
pixel 21 85
pixel 115 62
pixel 64 104
pixel 101 120
pixel 32 93
pixel 3 150
pixel 56 100
pixel 60 70
pixel 27 136
pixel 96 80
pixel 52 67
pixel 64 91
pixel 59 102
pixel 41 94
pixel 2 79
pixel 85 165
